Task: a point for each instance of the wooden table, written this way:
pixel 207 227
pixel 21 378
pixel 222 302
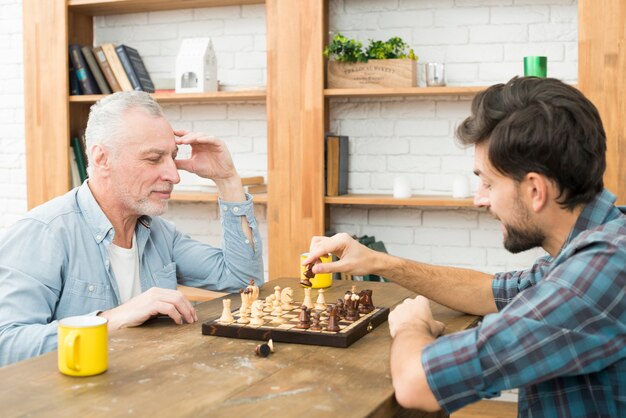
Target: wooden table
pixel 165 370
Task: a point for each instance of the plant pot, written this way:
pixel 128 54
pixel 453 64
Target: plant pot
pixel 372 74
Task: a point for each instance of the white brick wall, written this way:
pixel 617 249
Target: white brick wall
pixel 12 161
pixel 482 42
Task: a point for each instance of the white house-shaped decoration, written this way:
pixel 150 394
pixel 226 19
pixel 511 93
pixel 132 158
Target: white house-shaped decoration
pixel 196 66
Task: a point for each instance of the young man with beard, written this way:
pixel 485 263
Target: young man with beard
pixel 102 248
pixel 557 330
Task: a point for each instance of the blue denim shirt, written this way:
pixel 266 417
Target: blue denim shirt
pixel 54 264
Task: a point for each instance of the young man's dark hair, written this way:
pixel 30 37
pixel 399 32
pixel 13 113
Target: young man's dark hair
pixel 543 126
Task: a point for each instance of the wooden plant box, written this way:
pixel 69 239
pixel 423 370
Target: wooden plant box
pixel 372 74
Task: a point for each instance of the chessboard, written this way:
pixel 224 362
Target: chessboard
pixel 350 331
pixel 279 318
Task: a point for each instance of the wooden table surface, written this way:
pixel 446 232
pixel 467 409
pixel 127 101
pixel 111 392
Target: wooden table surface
pixel 166 370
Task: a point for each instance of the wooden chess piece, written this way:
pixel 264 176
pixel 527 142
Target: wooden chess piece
pixel 308 275
pixel 254 289
pixel 257 313
pixel 307 298
pixel 315 322
pixel 304 318
pixel 366 305
pixel 243 317
pixel 245 300
pixel 277 309
pixel 341 309
pixel 333 325
pixel 320 303
pixel 227 315
pixel 352 313
pixel 286 299
pixel 269 305
pixel 277 293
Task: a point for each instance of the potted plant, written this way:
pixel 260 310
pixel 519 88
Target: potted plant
pixel 381 64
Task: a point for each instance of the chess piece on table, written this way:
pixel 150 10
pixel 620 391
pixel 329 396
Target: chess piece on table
pixel 243 317
pixel 341 309
pixel 352 313
pixel 307 298
pixel 333 321
pixel 366 305
pixel 286 299
pixel 353 289
pixel 315 322
pixel 320 303
pixel 269 304
pixel 304 320
pixel 277 310
pixel 245 300
pixel 227 315
pixel 277 293
pixel 254 289
pixel 257 313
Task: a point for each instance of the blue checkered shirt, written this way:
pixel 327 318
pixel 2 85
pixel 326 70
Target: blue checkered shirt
pixel 559 335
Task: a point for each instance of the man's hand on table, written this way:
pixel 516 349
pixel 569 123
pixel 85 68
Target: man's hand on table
pixel 412 327
pixel 153 302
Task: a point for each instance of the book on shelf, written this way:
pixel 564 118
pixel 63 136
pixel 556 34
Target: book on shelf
pixel 135 68
pixel 116 66
pixel 337 156
pixel 95 70
pixel 83 74
pixel 74 86
pixel 106 69
pixel 74 175
pixel 79 156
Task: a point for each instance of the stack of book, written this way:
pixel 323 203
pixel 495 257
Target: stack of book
pixel 106 69
pixel 336 164
pixel 254 185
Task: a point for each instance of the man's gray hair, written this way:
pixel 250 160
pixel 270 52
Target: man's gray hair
pixel 106 117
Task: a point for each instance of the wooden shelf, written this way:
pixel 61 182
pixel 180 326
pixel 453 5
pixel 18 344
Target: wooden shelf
pixel 108 7
pixel 408 91
pixel 194 196
pixel 389 200
pixel 216 96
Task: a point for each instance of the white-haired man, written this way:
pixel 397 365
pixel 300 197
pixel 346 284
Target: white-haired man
pixel 102 248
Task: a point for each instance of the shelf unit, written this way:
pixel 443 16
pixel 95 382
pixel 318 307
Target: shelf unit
pixel 198 196
pixel 389 200
pixel 296 101
pixel 219 96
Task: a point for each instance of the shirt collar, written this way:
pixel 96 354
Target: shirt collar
pixel 597 212
pixel 96 219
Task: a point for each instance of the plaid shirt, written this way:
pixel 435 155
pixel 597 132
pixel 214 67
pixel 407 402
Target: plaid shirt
pixel 559 335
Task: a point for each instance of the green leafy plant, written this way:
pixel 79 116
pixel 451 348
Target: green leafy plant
pixel 343 49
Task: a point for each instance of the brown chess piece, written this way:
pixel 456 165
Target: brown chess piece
pixel 308 274
pixel 341 312
pixel 304 318
pixel 315 322
pixel 366 305
pixel 352 313
pixel 333 325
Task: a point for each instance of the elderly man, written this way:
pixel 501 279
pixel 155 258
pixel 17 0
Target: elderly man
pixel 102 248
pixel 557 330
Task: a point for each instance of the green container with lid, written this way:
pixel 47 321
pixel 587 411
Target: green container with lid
pixel 536 66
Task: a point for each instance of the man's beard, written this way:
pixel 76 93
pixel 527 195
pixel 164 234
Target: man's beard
pixel 518 239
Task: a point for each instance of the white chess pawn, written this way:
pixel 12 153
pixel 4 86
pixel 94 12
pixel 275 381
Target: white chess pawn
pixel 269 305
pixel 277 293
pixel 227 315
pixel 243 317
pixel 277 310
pixel 257 313
pixel 307 298
pixel 320 303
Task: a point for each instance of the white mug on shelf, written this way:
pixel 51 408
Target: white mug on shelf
pixel 461 187
pixel 401 187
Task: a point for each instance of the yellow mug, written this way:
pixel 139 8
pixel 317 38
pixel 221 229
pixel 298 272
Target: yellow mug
pixel 321 280
pixel 83 345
